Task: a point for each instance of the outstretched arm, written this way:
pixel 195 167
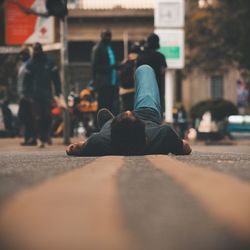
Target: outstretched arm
pixel 56 80
pixel 174 144
pixel 76 149
pixel 186 148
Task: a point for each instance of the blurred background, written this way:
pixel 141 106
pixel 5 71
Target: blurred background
pixel 210 91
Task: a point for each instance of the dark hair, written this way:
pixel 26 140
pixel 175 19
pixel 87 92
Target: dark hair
pixel 153 41
pixel 128 135
pixel 38 45
pixel 24 53
pixel 106 35
pixel 24 50
pixel 135 48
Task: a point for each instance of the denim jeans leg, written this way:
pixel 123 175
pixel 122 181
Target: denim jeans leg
pixel 146 89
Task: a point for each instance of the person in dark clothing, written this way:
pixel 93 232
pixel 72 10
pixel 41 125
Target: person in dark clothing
pixel 7 117
pixel 24 112
pixel 104 73
pixel 157 61
pixel 40 74
pixel 126 78
pixel 137 132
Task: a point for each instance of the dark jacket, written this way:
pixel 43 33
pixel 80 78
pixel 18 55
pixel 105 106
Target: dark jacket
pixel 161 138
pixel 127 71
pixel 101 68
pixel 38 79
pixel 156 60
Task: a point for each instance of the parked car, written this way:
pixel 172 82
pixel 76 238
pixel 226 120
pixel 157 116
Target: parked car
pixel 239 126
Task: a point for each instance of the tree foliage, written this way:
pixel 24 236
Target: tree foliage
pixel 219 108
pixel 218 36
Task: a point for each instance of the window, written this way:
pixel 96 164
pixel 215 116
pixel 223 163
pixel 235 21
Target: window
pixel 217 87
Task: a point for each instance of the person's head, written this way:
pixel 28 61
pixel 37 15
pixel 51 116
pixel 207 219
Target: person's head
pixel 135 48
pixel 128 134
pixel 106 36
pixel 37 50
pixel 24 53
pixel 134 51
pixel 153 41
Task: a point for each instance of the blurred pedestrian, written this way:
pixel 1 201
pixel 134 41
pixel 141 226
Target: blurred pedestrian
pixel 126 78
pixel 41 73
pixel 24 112
pixel 7 117
pixel 242 96
pixel 104 73
pixel 181 121
pixel 157 61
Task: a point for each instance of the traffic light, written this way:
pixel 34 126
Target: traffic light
pixel 57 8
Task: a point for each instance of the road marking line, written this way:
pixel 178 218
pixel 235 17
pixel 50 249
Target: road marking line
pixel 226 198
pixel 78 210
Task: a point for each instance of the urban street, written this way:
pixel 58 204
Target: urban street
pixel 53 201
pixel 124 125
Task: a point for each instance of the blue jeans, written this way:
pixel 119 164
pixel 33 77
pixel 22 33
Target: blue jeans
pixel 146 89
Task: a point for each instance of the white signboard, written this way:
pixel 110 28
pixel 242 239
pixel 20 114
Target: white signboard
pixel 172 46
pixel 169 14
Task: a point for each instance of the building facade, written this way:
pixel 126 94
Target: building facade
pixel 129 24
pixel 130 21
pixel 85 26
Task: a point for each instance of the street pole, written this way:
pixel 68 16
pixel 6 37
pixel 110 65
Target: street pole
pixel 64 70
pixel 169 94
pixel 125 43
pixel 169 21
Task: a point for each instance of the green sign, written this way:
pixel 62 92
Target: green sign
pixel 171 52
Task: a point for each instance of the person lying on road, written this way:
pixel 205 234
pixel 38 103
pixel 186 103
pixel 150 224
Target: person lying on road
pixel 137 132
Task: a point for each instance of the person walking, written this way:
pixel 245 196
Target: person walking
pixel 41 74
pixel 157 61
pixel 137 132
pixel 104 73
pixel 24 111
pixel 180 121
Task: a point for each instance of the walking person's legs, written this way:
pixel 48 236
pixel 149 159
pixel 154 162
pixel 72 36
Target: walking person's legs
pixel 115 100
pixel 25 116
pixel 146 89
pixel 105 97
pixel 45 122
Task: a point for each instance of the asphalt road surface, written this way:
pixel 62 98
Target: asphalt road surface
pixel 51 201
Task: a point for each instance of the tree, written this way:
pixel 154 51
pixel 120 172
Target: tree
pixel 218 36
pixel 219 108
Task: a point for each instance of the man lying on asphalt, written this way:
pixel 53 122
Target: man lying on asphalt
pixel 137 132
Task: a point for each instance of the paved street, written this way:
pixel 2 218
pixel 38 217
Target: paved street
pixel 52 201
